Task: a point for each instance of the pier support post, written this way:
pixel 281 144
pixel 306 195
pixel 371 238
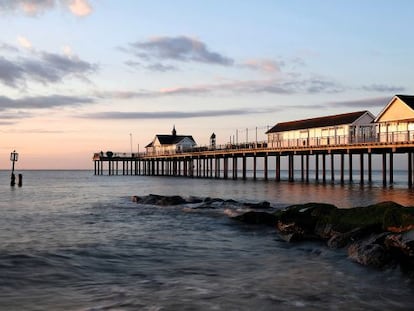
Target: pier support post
pixel 332 167
pixel 317 166
pixel 265 167
pixel 244 166
pixel 324 168
pixel 307 168
pixel 350 166
pixel 410 169
pixel 277 167
pixel 254 167
pixel 384 169
pixel 302 169
pixel 391 167
pixel 234 167
pixel 291 166
pixel 342 168
pixel 361 167
pixel 226 167
pixel 369 167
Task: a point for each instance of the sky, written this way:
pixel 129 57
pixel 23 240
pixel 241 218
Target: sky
pixel 84 76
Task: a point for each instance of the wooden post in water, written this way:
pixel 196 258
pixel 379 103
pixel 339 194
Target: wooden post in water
pixel 384 168
pixel 332 167
pixel 342 168
pixel 226 167
pixel 254 167
pixel 317 166
pixel 307 168
pixel 277 167
pixel 234 167
pixel 410 169
pixel 291 166
pixel 369 167
pixel 350 166
pixel 391 167
pixel 265 167
pixel 244 166
pixel 324 168
pixel 361 167
pixel 302 169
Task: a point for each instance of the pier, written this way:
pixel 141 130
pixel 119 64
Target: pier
pixel 232 162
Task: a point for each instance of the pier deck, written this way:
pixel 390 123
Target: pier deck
pixel 215 163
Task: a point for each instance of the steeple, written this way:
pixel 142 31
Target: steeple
pixel 174 132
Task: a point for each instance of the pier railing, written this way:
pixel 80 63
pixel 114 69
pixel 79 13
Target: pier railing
pixel 397 137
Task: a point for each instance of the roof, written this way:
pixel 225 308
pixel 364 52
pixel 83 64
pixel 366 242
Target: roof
pixel 333 120
pixel 407 99
pixel 169 139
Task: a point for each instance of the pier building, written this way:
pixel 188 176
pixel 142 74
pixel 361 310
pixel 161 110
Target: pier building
pixel 170 144
pixel 395 123
pixel 337 129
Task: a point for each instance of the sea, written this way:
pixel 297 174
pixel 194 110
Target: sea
pixel 70 240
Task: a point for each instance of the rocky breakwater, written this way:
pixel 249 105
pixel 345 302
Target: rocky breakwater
pixel 378 235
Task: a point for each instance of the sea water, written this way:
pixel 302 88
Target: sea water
pixel 70 240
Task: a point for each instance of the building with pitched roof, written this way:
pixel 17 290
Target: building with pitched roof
pixel 329 130
pixel 395 123
pixel 170 144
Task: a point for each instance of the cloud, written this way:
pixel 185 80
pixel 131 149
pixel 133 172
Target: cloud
pixel 8 48
pixel 44 68
pixel 178 49
pixel 24 42
pixel 80 7
pixel 269 86
pixel 116 115
pixel 10 72
pixel 42 102
pixel 36 7
pixel 263 65
pixel 363 103
pixel 151 67
pixel 29 7
pixel 383 88
pixel 10 118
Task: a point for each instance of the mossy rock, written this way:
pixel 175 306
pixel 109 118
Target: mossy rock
pixel 305 215
pixel 380 216
pixel 399 219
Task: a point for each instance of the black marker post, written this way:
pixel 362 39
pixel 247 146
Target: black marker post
pixel 13 157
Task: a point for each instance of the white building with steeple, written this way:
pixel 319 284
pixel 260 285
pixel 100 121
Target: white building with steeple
pixel 170 144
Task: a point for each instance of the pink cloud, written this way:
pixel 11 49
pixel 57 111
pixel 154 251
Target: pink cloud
pixel 80 7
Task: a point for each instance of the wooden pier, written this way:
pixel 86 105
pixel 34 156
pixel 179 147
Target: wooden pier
pixel 224 163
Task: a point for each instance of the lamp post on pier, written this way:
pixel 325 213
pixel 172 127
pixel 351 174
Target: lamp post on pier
pixel 130 141
pixel 13 158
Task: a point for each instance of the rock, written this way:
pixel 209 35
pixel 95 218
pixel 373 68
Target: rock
pixel 260 205
pixel 301 221
pixel 254 217
pixel 193 200
pixel 339 240
pixel 155 199
pixel 403 242
pixel 370 251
